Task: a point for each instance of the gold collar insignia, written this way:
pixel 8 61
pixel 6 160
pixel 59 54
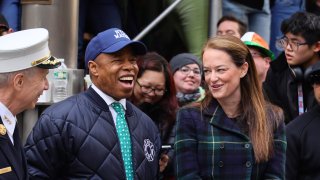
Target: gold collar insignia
pixel 3 130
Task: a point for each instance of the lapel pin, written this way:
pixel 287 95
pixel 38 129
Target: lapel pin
pixel 7 119
pixel 3 130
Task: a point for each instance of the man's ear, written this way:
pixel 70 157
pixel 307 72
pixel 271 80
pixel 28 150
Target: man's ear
pixel 18 81
pixel 93 68
pixel 244 69
pixel 316 46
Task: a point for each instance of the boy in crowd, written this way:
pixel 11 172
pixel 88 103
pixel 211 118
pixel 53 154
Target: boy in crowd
pixel 285 85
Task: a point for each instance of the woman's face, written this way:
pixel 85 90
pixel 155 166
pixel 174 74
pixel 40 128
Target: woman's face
pixel 187 79
pixel 150 87
pixel 222 75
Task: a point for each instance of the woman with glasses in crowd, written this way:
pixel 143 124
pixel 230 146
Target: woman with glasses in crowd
pixel 233 133
pixel 154 93
pixel 186 69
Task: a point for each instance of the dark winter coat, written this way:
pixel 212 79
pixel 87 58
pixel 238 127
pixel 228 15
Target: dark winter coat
pixel 281 89
pixel 77 139
pixel 209 145
pixel 12 158
pixel 303 153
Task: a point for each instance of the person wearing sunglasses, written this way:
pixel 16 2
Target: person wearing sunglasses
pixel 285 84
pixel 154 93
pixel 303 153
pixel 187 71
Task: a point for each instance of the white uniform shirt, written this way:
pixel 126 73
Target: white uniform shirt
pixel 9 121
pixel 109 100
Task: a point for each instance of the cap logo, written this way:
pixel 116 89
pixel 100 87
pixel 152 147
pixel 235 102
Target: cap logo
pixel 38 61
pixel 120 34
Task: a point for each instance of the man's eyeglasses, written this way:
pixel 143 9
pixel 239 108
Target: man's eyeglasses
pixel 186 71
pixel 148 89
pixel 283 43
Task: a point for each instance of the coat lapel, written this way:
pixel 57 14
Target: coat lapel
pixel 7 150
pixel 220 120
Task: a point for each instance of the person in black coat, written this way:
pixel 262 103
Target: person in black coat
pixel 285 85
pixel 22 81
pixel 303 152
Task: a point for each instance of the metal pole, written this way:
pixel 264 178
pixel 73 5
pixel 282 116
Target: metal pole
pixel 157 20
pixel 215 15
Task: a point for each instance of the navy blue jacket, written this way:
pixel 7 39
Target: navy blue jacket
pixel 12 159
pixel 77 139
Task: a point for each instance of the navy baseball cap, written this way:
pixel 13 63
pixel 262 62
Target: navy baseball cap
pixel 111 41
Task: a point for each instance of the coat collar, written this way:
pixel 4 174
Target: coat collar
pixel 5 136
pixel 94 96
pixel 8 150
pixel 219 119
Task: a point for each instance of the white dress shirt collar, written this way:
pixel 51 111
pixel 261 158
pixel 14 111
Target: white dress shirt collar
pixel 109 100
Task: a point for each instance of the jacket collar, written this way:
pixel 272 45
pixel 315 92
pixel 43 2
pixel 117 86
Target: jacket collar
pixel 219 119
pixel 8 150
pixel 94 96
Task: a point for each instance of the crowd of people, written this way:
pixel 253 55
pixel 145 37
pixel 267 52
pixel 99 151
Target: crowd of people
pixel 237 111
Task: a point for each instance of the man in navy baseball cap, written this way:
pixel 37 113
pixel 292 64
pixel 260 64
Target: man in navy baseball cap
pixel 111 41
pixel 104 135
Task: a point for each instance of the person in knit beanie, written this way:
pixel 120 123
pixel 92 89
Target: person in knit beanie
pixel 187 71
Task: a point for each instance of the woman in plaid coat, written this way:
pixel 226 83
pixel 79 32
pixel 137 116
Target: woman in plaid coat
pixel 233 133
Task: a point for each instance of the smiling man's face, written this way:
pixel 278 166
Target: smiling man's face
pixel 115 74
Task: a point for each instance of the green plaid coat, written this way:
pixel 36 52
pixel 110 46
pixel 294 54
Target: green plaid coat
pixel 209 145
